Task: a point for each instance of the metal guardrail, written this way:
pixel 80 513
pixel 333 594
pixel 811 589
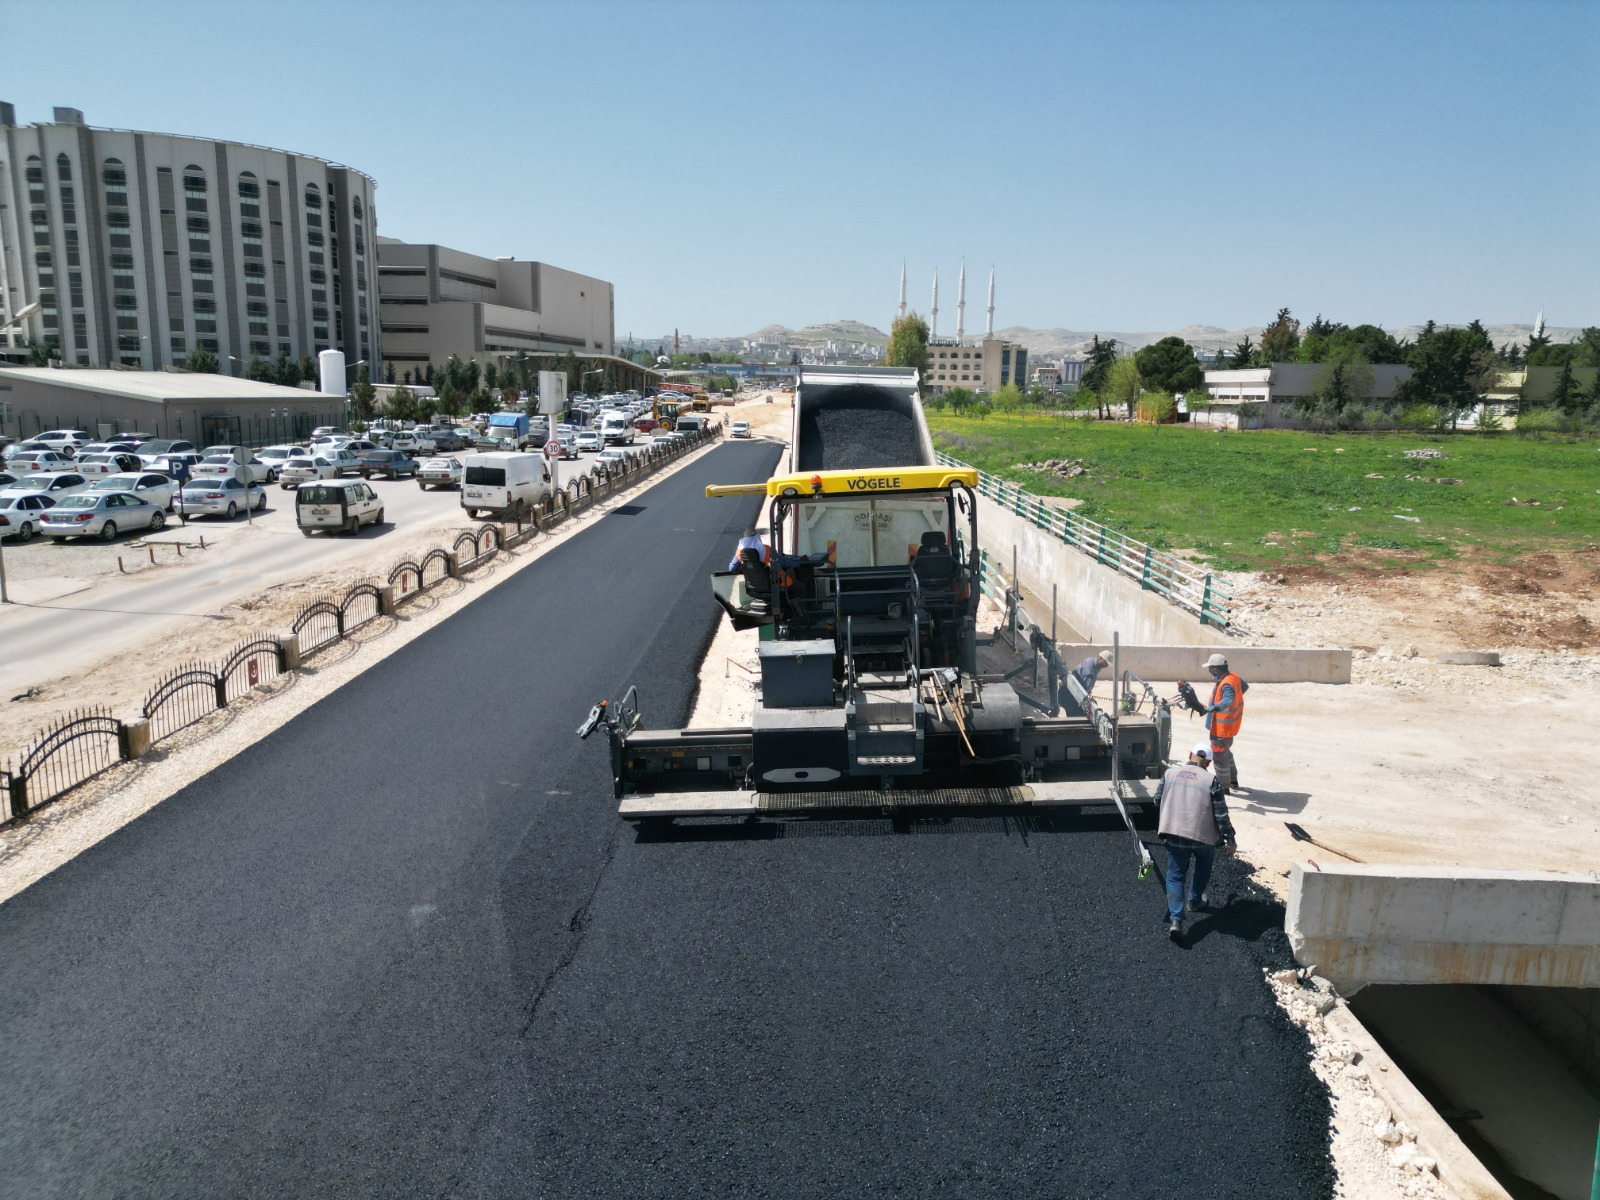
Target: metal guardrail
pixel 1172 578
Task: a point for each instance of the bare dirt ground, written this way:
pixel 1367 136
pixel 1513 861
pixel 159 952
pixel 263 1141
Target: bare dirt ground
pixel 1417 761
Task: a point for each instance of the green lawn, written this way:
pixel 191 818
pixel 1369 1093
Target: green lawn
pixel 1261 498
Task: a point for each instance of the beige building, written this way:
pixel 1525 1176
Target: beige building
pixel 204 409
pixel 434 302
pixel 140 247
pixel 981 366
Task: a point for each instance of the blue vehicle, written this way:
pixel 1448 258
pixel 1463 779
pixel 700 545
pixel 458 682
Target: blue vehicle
pixel 509 427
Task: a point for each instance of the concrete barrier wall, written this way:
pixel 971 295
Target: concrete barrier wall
pixel 1097 600
pixel 1361 924
pixel 1255 664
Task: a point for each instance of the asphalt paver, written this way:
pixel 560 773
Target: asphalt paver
pixel 403 946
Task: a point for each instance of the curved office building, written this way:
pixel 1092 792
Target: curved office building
pixel 140 247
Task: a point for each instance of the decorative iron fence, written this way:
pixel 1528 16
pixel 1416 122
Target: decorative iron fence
pixel 320 622
pixel 182 696
pixel 361 604
pixel 72 750
pixel 1177 581
pixel 251 664
pixel 435 567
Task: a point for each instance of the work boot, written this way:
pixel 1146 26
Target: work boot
pixel 1175 931
pixel 1195 903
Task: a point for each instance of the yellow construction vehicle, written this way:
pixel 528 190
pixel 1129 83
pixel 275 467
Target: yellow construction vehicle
pixel 870 693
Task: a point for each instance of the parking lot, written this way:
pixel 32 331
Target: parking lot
pixel 73 598
pixel 46 568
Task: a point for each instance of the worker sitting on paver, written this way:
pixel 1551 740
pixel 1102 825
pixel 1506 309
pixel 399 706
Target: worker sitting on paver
pixel 750 541
pixel 1224 715
pixel 1194 822
pixel 1087 673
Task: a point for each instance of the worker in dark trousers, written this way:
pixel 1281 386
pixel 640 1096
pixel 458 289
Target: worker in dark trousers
pixel 1224 716
pixel 1194 822
pixel 1088 674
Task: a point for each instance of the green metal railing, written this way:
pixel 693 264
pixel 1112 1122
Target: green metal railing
pixel 1175 580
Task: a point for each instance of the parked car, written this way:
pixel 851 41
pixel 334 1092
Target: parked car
pixel 112 447
pixel 19 514
pixel 344 505
pixel 219 498
pixel 101 515
pixel 276 456
pixel 739 429
pixel 95 466
pixel 322 431
pixel 448 437
pixel 590 439
pixel 413 441
pixel 160 447
pixel 614 456
pixel 361 445
pixel 439 473
pixel 65 440
pixel 6 479
pixel 391 464
pixel 35 461
pixel 158 489
pixel 304 469
pixel 226 466
pixel 54 484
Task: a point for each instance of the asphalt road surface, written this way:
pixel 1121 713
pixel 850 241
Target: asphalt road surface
pixel 404 947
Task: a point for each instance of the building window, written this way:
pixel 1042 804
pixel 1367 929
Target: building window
pixel 36 173
pixel 69 208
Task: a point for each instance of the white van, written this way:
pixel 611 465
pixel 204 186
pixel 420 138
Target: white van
pixel 503 485
pixel 336 504
pixel 616 429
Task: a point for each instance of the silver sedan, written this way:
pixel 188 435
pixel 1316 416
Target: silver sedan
pixel 100 515
pixel 219 498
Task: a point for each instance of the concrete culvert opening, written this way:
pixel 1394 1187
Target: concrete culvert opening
pixel 1514 1072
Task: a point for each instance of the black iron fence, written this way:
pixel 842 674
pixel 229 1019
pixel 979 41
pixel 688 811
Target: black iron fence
pixel 70 751
pixel 82 744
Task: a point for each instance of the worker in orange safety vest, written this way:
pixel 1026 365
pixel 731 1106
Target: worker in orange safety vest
pixel 1224 716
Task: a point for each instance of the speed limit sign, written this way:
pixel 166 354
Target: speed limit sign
pixel 552 449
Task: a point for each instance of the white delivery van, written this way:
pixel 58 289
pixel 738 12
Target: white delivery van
pixel 503 485
pixel 616 429
pixel 336 504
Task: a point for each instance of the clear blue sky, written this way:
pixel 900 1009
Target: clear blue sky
pixel 1124 166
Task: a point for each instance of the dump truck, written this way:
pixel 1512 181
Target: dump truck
pixel 870 692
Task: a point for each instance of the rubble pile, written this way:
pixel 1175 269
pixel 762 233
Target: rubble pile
pixel 1062 468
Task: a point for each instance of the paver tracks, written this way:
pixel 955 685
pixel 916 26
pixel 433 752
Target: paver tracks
pixel 403 947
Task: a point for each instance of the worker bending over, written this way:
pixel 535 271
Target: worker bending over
pixel 1088 674
pixel 1194 822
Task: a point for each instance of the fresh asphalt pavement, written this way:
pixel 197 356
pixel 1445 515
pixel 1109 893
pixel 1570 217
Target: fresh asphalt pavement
pixel 404 946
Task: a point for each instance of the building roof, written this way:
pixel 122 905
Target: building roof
pixel 161 385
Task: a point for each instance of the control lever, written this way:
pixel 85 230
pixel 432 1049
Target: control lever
pixel 597 714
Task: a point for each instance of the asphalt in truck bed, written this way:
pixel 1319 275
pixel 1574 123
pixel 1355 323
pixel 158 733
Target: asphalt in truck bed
pixel 404 946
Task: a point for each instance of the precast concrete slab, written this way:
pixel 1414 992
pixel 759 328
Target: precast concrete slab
pixel 1361 924
pixel 1255 664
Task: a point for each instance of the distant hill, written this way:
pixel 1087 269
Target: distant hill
pixel 1054 343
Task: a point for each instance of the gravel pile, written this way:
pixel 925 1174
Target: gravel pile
pixel 1423 454
pixel 1066 468
pixel 849 439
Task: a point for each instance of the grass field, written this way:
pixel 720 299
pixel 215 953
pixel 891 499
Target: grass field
pixel 1273 497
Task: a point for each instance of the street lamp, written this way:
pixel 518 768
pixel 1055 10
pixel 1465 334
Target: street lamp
pixel 348 367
